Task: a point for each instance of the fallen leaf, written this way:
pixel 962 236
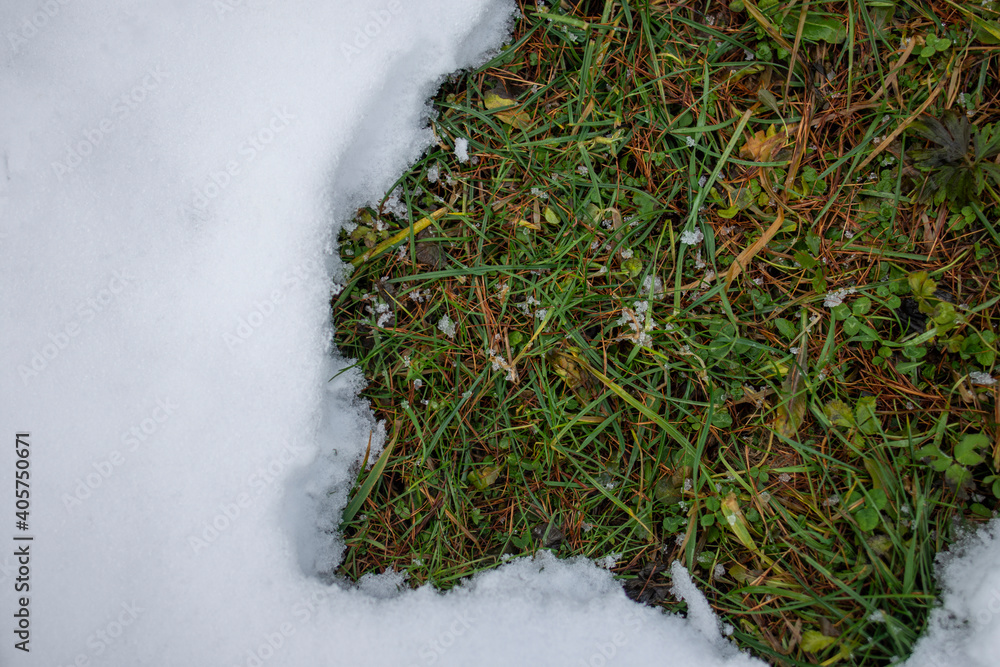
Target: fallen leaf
pixel 567 368
pixel 762 146
pixel 817 28
pixel 485 477
pixel 506 109
pixel 814 641
pixel 751 251
pixel 839 413
pixel 670 489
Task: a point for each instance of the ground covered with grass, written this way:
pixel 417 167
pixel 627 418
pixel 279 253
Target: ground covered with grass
pixel 696 281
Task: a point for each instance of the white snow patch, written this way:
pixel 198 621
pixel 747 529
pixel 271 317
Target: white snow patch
pixel 462 149
pixel 609 561
pixel 965 629
pixel 982 378
pixel 652 287
pixel 700 613
pixel 836 297
pixel 692 236
pixel 447 326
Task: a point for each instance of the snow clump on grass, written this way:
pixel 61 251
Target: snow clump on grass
pixel 447 326
pixel 462 149
pixel 692 237
pixel 836 297
pixel 983 379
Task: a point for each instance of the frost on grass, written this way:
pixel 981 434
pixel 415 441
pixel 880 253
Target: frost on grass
pixel 395 205
pixel 609 561
pixel 699 263
pixel 380 311
pixel 528 307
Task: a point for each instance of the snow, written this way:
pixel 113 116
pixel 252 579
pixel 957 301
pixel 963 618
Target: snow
pixel 171 181
pixel 982 378
pixel 836 297
pixel 700 614
pixel 965 628
pixel 462 149
pixel 447 326
pixel 692 236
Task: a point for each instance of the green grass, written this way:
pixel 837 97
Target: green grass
pixel 608 392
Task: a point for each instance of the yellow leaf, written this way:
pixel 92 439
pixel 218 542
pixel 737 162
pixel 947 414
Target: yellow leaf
pixel 509 113
pixel 485 477
pixel 417 227
pixel 840 414
pixel 737 74
pixel 497 101
pixel 741 574
pixel 814 641
pixel 567 367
